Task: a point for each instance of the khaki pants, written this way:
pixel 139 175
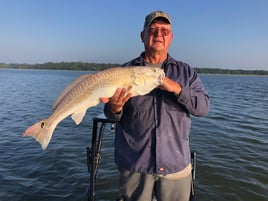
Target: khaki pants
pixel 141 187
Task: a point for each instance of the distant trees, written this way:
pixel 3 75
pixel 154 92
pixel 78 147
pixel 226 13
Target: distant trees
pixel 230 71
pixel 81 66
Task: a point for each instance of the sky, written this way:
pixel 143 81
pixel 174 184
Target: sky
pixel 229 34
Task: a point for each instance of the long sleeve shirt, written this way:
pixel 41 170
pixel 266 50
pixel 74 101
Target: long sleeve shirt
pixel 152 131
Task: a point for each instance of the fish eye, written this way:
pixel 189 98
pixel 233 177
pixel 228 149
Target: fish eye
pixel 42 125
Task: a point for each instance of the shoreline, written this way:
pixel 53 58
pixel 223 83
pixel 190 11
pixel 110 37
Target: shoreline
pixel 80 66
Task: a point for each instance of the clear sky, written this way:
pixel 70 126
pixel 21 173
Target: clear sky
pixel 207 33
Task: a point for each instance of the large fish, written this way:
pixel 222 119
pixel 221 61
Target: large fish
pixel 85 92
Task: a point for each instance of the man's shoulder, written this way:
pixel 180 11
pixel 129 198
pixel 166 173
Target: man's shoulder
pixel 138 61
pixel 178 63
pixel 180 66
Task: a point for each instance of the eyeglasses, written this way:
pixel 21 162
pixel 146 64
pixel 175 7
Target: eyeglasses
pixel 154 31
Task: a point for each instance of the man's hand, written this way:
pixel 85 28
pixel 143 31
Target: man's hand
pixel 118 100
pixel 170 86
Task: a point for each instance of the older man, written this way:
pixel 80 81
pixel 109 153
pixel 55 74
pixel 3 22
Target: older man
pixel 152 148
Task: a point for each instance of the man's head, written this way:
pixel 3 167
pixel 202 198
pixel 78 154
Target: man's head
pixel 157 33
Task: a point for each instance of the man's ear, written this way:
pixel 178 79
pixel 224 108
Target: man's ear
pixel 142 36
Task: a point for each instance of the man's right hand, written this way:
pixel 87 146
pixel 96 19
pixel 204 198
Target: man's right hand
pixel 118 100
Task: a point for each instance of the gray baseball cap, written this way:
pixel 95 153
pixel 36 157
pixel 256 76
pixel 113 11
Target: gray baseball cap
pixel 156 14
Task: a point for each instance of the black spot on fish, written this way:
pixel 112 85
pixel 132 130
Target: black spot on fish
pixel 42 125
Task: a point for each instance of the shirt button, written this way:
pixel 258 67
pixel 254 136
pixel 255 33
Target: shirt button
pixel 161 169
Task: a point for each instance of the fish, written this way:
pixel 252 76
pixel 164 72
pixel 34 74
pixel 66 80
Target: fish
pixel 85 92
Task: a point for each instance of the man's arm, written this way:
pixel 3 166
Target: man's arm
pixel 194 97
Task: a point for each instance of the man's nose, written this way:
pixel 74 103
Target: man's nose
pixel 157 32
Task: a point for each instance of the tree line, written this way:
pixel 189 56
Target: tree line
pixel 230 71
pixel 82 66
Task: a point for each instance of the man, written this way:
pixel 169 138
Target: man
pixel 152 148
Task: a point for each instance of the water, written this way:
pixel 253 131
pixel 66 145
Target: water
pixel 231 142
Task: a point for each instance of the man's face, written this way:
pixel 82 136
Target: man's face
pixel 157 37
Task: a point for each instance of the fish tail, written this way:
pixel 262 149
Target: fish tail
pixel 42 132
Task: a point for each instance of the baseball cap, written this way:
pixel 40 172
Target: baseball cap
pixel 156 14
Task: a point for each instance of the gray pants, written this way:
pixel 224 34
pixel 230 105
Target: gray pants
pixel 141 187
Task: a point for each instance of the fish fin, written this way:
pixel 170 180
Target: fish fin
pixel 139 81
pixel 78 116
pixel 137 89
pixel 41 131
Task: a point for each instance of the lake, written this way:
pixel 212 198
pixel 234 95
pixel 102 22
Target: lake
pixel 231 142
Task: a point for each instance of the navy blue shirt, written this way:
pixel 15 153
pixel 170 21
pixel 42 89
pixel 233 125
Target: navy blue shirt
pixel 152 131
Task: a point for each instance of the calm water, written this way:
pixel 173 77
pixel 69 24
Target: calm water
pixel 231 142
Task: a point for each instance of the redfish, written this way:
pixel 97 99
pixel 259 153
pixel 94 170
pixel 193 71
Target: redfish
pixel 86 91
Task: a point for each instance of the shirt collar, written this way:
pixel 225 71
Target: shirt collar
pixel 140 60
